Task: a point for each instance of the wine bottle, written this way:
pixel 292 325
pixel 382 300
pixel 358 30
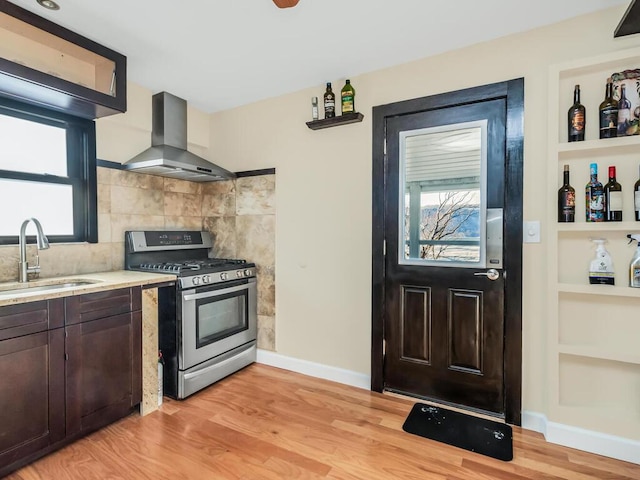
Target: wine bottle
pixel 329 102
pixel 613 198
pixel 348 95
pixel 594 197
pixel 609 113
pixel 636 198
pixel 576 118
pixel 624 112
pixel 566 199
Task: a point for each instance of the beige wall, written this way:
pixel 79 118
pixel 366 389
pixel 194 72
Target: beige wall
pixel 323 224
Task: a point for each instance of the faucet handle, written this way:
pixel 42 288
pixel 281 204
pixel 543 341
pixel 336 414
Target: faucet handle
pixel 35 270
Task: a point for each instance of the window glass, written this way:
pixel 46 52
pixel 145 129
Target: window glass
pixel 51 204
pixel 32 147
pixel 442 173
pixel 48 172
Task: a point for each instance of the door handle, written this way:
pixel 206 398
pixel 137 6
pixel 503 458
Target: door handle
pixel 491 274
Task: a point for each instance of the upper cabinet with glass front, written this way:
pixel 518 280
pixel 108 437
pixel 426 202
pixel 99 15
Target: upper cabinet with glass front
pixel 45 64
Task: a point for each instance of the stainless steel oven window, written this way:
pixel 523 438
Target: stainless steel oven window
pixel 220 317
pixel 189 353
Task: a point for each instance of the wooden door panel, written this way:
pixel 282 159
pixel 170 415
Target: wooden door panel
pixel 32 371
pixel 415 318
pixel 475 380
pixel 444 324
pixel 465 331
pixel 100 377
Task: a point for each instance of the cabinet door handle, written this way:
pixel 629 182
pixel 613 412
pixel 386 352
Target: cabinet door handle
pixel 491 274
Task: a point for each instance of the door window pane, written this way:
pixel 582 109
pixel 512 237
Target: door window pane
pixel 443 201
pixel 32 147
pixel 50 203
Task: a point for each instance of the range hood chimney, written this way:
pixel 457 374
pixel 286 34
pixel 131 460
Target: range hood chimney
pixel 168 155
pixel 630 23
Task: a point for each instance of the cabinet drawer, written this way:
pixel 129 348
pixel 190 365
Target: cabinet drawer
pixel 84 308
pixel 32 317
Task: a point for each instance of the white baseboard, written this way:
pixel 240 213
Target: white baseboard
pixel 582 439
pixel 317 370
pixel 558 433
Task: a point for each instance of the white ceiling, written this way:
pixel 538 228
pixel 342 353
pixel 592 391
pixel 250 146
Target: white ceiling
pixel 219 54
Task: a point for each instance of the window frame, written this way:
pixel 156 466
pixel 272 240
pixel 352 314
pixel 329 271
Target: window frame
pixel 81 169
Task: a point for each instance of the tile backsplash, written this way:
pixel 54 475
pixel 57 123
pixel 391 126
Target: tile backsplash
pixel 239 213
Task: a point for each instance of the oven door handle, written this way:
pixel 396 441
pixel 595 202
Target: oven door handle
pixel 212 293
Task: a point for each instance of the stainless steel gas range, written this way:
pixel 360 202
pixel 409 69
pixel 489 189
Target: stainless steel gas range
pixel 208 322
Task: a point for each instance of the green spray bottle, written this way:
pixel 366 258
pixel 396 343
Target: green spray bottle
pixel 634 266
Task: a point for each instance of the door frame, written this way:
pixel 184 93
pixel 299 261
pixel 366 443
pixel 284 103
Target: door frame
pixel 513 93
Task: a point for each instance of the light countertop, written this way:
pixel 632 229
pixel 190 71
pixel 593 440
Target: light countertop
pixel 100 281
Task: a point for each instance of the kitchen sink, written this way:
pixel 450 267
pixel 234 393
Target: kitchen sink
pixel 44 288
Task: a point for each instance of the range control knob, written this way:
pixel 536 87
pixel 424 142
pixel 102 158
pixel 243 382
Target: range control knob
pixel 196 280
pixel 206 279
pixel 239 273
pixel 247 273
pixel 223 276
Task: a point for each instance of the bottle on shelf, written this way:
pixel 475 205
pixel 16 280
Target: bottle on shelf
pixel 601 267
pixel 609 113
pixel 636 199
pixel 577 116
pixel 613 198
pixel 634 265
pixel 348 95
pixel 329 102
pixel 624 112
pixel 566 199
pixel 314 108
pixel 594 197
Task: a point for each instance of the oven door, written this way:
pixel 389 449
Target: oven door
pixel 216 319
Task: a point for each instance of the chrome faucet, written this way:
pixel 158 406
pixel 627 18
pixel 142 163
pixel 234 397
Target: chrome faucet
pixel 42 243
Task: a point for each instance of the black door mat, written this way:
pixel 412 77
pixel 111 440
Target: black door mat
pixel 464 431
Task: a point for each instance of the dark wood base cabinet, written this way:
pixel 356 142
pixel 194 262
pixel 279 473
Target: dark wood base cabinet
pixel 68 367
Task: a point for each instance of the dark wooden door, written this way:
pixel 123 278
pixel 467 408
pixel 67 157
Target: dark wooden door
pixel 103 371
pixel 32 372
pixel 445 201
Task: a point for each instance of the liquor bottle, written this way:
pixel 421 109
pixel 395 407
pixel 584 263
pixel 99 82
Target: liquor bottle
pixel 609 113
pixel 566 199
pixel 636 199
pixel 624 111
pixel 594 197
pixel 314 108
pixel 613 198
pixel 348 95
pixel 329 102
pixel 576 118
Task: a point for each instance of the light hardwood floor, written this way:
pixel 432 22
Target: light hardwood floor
pixel 266 423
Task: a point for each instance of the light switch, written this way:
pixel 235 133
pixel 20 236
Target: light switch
pixel 531 232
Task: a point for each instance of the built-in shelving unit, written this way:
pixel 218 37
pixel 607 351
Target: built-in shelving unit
pixel 45 64
pixel 594 330
pixel 335 121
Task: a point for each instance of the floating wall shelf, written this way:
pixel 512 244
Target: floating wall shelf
pixel 335 121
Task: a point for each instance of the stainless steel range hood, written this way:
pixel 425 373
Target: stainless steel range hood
pixel 168 155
